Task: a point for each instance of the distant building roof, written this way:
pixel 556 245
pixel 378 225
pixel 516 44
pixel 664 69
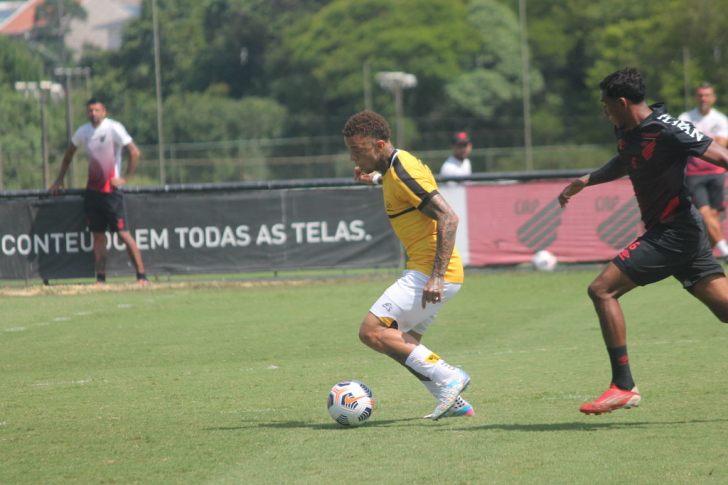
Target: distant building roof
pixel 17 17
pixel 102 28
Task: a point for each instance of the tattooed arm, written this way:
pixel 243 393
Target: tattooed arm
pixel 447 225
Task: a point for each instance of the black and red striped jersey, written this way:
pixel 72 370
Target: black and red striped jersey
pixel 655 155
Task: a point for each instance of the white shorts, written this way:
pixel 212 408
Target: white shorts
pixel 402 302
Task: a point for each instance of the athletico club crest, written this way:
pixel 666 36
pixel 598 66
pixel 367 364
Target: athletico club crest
pixel 622 227
pixel 540 230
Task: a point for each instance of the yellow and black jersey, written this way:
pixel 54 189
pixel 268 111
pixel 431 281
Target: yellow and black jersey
pixel 407 186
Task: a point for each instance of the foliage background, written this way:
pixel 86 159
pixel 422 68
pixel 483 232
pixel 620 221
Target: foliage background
pixel 236 71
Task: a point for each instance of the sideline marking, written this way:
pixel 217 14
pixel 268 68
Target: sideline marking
pixel 60 383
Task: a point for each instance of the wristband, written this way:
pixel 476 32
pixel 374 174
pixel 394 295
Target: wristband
pixel 377 178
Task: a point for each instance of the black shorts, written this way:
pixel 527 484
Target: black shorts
pixel 707 190
pixel 105 211
pixel 680 249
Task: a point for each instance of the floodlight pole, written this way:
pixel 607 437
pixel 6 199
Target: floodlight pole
pixel 158 84
pixel 526 86
pixel 686 76
pixel 2 183
pixel 397 82
pixel 40 89
pixel 45 87
pixel 68 73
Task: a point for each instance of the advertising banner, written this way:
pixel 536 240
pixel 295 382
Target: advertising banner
pixel 509 222
pixel 204 233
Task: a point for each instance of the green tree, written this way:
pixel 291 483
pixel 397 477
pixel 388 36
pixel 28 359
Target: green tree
pixel 320 58
pixel 497 79
pixel 20 128
pixel 52 19
pixel 656 43
pixel 238 34
pixel 18 62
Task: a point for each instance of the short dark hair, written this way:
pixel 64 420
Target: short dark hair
pixel 625 83
pixel 95 101
pixel 704 85
pixel 367 124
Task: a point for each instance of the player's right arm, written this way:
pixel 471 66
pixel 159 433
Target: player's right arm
pixel 70 151
pixel 612 170
pixel 716 154
pixel 447 224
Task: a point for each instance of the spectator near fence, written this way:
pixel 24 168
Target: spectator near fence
pixel 705 181
pixel 103 202
pixel 458 164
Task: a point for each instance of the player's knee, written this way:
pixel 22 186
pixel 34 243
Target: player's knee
pixel 722 315
pixel 596 291
pixel 366 335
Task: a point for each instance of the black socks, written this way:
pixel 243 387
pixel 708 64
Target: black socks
pixel 621 373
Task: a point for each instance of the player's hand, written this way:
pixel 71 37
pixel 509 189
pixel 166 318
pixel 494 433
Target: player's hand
pixel 365 178
pixel 53 189
pixel 571 190
pixel 118 182
pixel 433 290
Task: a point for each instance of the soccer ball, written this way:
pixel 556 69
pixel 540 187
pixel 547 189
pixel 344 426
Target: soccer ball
pixel 544 261
pixel 350 403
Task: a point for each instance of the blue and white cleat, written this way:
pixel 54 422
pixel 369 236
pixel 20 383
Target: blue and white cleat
pixel 449 394
pixel 460 408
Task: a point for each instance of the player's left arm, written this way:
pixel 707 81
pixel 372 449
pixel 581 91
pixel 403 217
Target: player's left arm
pixel 133 151
pixel 716 154
pixel 447 224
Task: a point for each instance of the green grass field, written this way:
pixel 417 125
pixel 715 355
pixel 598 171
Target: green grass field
pixel 212 383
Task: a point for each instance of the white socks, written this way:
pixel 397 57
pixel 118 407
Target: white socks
pixel 722 246
pixel 430 365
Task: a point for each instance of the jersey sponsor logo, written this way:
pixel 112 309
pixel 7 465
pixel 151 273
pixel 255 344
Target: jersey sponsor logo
pixel 387 306
pixel 686 127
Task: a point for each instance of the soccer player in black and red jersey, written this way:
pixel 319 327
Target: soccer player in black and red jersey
pixel 653 148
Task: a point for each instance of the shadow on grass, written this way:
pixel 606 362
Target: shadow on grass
pixel 302 424
pixel 583 426
pixel 573 426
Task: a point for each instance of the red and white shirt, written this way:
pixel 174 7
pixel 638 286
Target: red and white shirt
pixel 103 148
pixel 715 125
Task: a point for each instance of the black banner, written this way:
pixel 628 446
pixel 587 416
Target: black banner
pixel 204 233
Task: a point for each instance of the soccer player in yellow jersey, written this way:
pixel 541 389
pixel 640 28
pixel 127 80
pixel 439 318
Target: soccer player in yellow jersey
pixel 426 225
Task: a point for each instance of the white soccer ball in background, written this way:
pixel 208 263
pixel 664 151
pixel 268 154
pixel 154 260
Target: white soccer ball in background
pixel 544 261
pixel 350 403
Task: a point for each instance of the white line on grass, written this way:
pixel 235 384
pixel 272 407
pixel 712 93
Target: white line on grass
pixel 62 383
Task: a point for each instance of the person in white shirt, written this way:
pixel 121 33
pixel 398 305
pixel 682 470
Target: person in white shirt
pixel 458 164
pixel 705 181
pixel 103 202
